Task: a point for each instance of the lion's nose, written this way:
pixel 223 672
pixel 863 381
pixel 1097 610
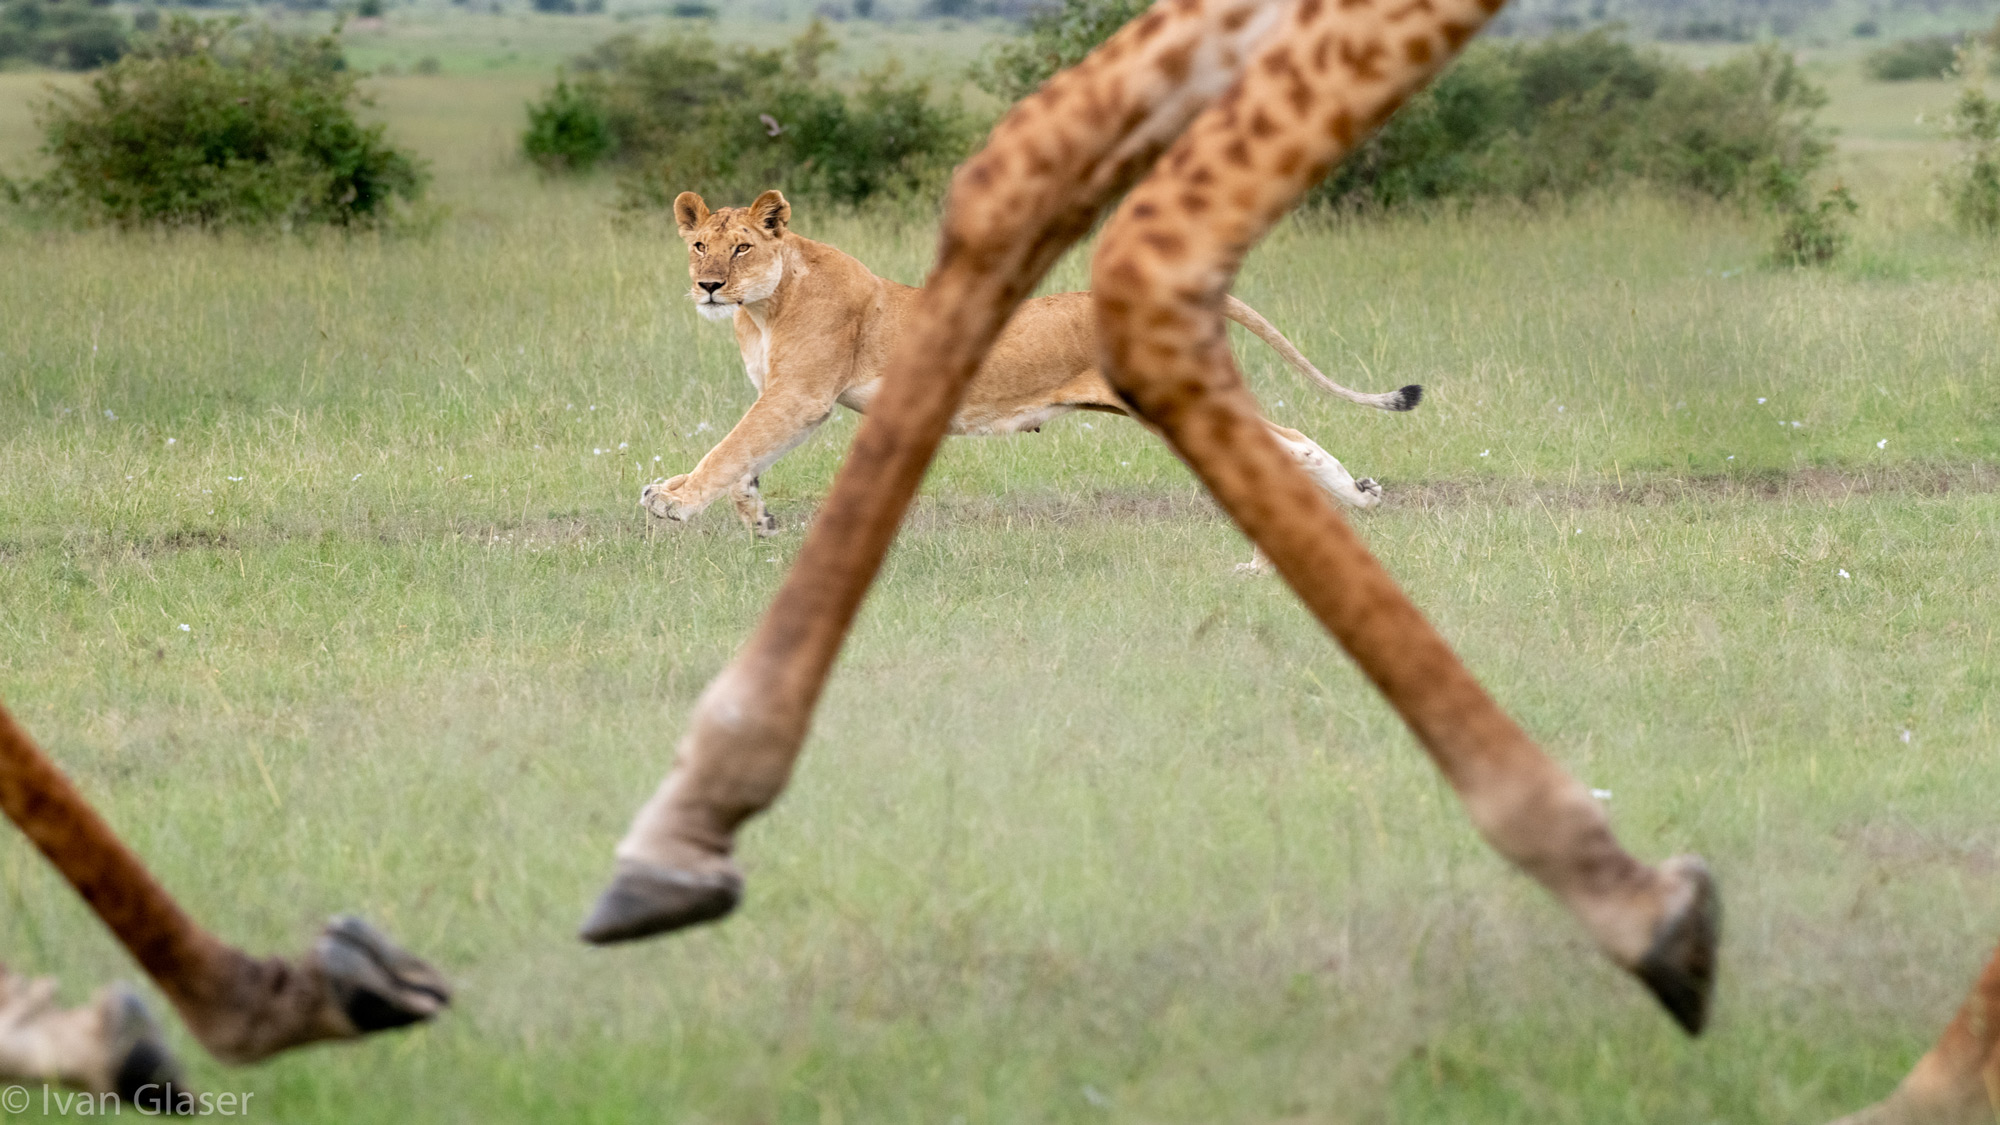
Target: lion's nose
pixel 708 286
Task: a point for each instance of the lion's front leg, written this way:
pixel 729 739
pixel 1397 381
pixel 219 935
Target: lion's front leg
pixel 774 425
pixel 750 509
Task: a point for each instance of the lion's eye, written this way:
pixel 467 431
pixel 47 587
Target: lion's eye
pixel 700 249
pixel 741 248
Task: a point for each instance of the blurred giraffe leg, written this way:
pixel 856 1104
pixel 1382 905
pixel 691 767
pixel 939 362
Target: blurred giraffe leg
pixel 1162 269
pixel 109 1046
pixel 353 981
pixel 1957 1082
pixel 1044 176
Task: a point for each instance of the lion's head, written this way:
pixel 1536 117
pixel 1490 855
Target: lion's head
pixel 733 252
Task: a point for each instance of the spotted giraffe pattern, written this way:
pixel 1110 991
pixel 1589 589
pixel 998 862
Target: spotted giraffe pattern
pixel 1258 99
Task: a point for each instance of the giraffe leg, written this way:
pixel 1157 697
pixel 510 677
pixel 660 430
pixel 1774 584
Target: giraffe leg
pixel 1957 1082
pixel 1163 265
pixel 109 1046
pixel 1046 173
pixel 351 982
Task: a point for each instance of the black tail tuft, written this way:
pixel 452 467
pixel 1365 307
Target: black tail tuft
pixel 1409 397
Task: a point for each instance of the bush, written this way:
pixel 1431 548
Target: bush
pixel 208 125
pixel 684 114
pixel 1973 188
pixel 1557 117
pixel 1810 232
pixel 66 34
pixel 1530 120
pixel 1909 59
pixel 568 131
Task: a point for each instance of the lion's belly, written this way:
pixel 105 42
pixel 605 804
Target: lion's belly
pixel 974 418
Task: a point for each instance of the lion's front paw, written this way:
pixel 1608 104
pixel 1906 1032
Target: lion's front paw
pixel 663 499
pixel 766 526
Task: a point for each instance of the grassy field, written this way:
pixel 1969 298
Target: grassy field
pixel 321 569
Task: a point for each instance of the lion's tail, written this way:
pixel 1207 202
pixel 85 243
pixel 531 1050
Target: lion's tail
pixel 1404 399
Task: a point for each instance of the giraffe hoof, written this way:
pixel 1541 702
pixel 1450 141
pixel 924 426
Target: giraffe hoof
pixel 1680 966
pixel 145 1074
pixel 377 984
pixel 644 900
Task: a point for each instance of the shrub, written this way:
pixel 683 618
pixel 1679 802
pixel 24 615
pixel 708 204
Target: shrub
pixel 568 130
pixel 208 125
pixel 1973 188
pixel 66 34
pixel 1908 59
pixel 684 114
pixel 1811 232
pixel 1531 120
pixel 1564 115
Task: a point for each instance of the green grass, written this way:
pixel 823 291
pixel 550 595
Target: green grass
pixel 1089 829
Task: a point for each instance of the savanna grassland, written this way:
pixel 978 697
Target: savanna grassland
pixel 321 570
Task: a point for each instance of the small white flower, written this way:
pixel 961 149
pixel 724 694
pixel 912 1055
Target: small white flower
pixel 1579 531
pixel 1560 409
pixel 1485 453
pixel 1281 402
pixel 208 492
pixel 1905 736
pixel 185 629
pixel 438 468
pixel 111 416
pixel 1796 425
pixel 233 478
pixel 1601 794
pixel 128 478
pixel 1883 444
pixel 571 406
pixel 170 441
pixel 701 429
pixel 354 478
pixel 1842 572
pixel 1088 426
pixel 597 452
pixel 593 406
pixel 467 476
pixel 1760 402
pixel 656 458
pixel 538 447
pixel 1731 457
pixel 1124 462
pixel 621 445
pixel 520 351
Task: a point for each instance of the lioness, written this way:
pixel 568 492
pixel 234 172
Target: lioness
pixel 816 328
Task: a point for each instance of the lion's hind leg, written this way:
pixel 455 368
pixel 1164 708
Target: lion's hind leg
pixel 750 508
pixel 1327 472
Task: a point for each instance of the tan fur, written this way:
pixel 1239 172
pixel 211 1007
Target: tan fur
pixel 817 328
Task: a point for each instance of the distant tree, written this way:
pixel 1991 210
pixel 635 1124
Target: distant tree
pixel 209 124
pixel 1906 59
pixel 65 34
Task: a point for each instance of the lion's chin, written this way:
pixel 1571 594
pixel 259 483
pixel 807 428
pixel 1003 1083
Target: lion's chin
pixel 715 310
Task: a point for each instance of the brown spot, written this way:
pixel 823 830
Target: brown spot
pixel 1278 61
pixel 1455 34
pixel 980 174
pixel 1346 4
pixel 1261 125
pixel 1202 176
pixel 1144 211
pixel 1194 203
pixel 1414 7
pixel 1319 170
pixel 1169 244
pixel 1245 199
pixel 1176 64
pixel 1309 11
pixel 1161 317
pixel 1290 159
pixel 1418 50
pixel 1237 153
pixel 1490 6
pixel 1187 7
pixel 1178 161
pixel 1236 18
pixel 1149 25
pixel 1133 118
pixel 1364 62
pixel 1051 95
pixel 1320 53
pixel 1300 96
pixel 1340 127
pixel 1112 51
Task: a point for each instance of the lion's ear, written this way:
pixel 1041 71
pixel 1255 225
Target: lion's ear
pixel 689 211
pixel 771 212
